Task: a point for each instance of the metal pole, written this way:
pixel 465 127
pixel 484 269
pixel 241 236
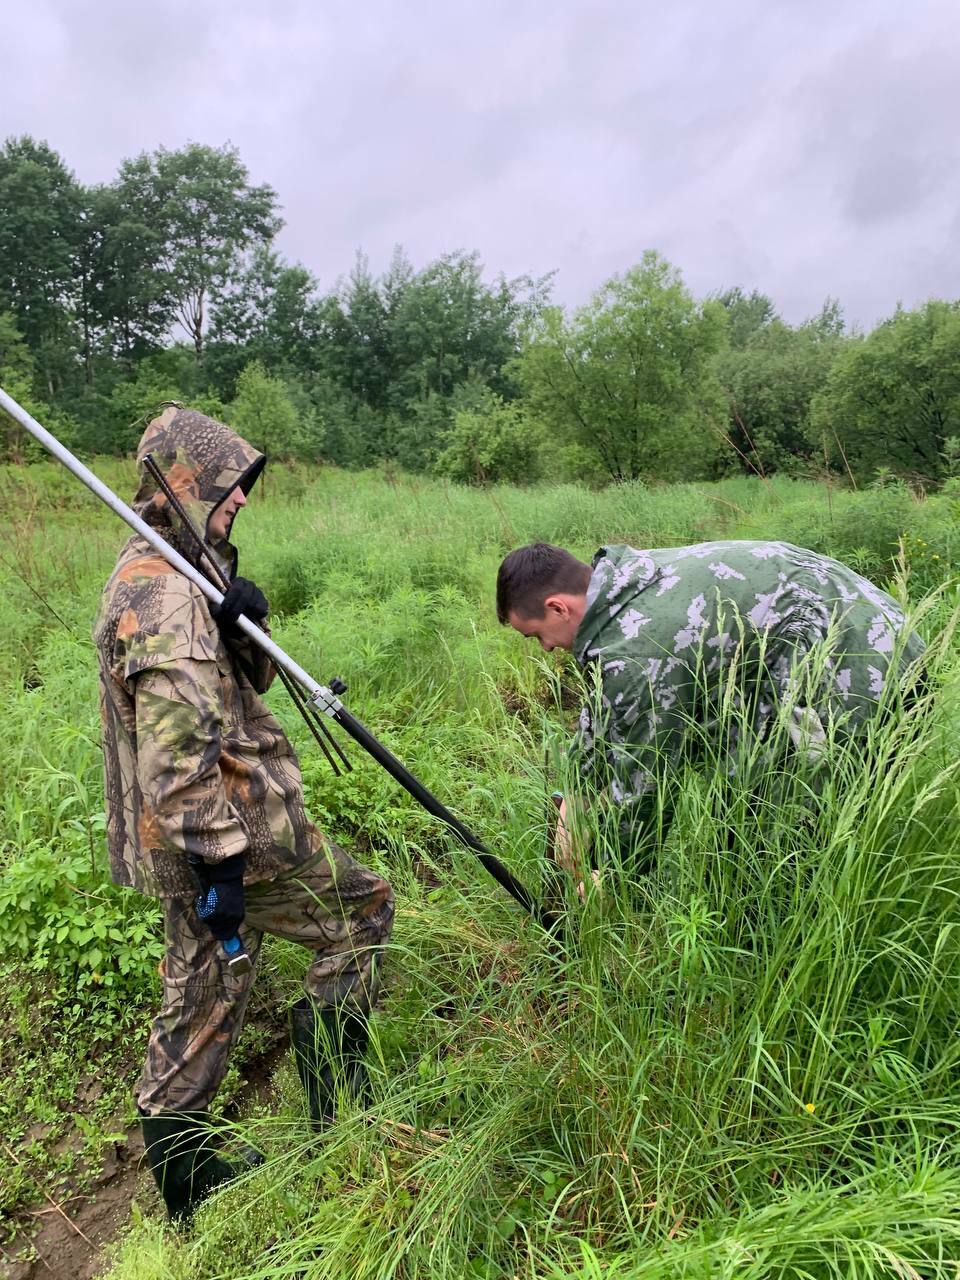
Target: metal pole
pixel 323 698
pixel 320 696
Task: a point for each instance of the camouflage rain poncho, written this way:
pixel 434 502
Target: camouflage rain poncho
pixel 194 760
pixel 782 638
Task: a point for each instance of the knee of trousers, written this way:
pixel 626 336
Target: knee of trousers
pixel 383 917
pixel 373 924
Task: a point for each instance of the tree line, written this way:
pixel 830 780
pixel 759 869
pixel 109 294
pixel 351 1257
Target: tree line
pixel 164 284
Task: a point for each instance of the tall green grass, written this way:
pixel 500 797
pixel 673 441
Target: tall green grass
pixel 743 1062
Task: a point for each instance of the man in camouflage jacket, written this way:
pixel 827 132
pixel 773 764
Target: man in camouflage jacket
pixel 204 793
pixel 736 646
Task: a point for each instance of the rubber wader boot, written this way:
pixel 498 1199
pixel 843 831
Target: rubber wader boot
pixel 179 1147
pixel 329 1046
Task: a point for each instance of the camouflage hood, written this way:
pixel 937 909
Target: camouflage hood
pixel 203 461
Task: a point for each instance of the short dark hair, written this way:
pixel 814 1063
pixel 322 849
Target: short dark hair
pixel 530 574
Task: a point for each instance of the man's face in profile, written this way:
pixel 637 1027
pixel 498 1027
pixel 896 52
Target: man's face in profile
pixel 221 522
pixel 556 627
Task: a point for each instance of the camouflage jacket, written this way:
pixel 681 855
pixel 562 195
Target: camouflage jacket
pixel 717 644
pixel 195 763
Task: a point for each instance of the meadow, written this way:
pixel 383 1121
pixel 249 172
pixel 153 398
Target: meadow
pixel 744 1065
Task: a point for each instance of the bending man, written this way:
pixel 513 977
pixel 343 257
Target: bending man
pixel 798 643
pixel 205 812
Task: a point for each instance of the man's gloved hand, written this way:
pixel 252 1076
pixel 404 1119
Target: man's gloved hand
pixel 220 903
pixel 242 596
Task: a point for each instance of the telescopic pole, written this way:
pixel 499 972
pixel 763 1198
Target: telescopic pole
pixel 325 699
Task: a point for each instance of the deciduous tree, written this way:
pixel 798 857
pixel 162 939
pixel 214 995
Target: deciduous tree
pixel 629 375
pixel 748 314
pixel 770 383
pixel 126 300
pixel 269 313
pixel 494 443
pixel 207 214
pixel 40 226
pixel 449 325
pixel 263 412
pixel 892 398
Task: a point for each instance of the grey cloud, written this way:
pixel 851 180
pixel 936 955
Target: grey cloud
pixel 890 185
pixel 802 149
pixel 883 122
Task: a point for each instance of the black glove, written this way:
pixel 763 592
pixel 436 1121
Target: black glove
pixel 242 596
pixel 220 902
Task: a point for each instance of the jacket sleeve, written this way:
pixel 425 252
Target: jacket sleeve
pixel 179 717
pixel 169 663
pixel 253 662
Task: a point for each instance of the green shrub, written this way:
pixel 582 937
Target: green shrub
pixel 496 444
pixel 72 929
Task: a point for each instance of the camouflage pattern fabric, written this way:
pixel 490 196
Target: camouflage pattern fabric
pixel 194 760
pixel 196 765
pixel 202 461
pixel 340 910
pixel 726 643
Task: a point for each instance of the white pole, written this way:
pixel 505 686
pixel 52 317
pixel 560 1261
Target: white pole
pixel 321 697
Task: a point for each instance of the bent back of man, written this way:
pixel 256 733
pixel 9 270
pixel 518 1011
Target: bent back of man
pixel 796 639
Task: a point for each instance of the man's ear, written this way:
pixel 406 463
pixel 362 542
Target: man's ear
pixel 558 605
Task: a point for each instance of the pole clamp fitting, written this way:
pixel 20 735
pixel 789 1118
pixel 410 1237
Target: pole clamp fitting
pixel 326 700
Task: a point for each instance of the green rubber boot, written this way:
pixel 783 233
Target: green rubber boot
pixel 179 1147
pixel 329 1046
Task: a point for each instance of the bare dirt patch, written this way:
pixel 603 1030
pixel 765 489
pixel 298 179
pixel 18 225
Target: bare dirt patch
pixel 65 1239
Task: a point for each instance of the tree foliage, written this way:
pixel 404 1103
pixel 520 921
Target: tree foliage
pixel 748 314
pixel 264 414
pixel 17 370
pixel 402 348
pixel 770 382
pixel 492 443
pixel 448 325
pixel 436 367
pixel 629 376
pixel 206 214
pixel 40 226
pixel 269 312
pixel 127 303
pixel 892 398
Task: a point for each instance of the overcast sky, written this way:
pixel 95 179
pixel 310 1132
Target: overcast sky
pixel 800 147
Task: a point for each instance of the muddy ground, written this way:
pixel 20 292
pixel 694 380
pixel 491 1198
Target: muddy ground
pixel 65 1238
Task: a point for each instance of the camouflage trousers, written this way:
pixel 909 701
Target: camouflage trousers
pixel 339 909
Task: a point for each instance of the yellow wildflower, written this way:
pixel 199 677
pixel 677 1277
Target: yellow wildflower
pixel 809 1106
